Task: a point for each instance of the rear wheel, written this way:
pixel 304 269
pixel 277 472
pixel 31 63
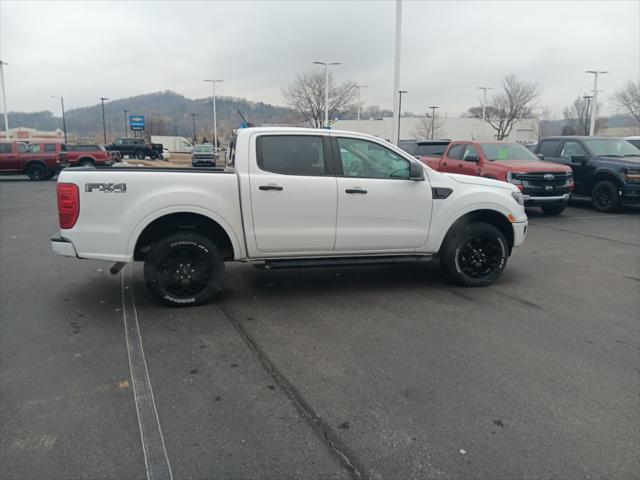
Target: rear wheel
pixel 184 269
pixel 474 254
pixel 604 196
pixel 37 171
pixel 553 209
pixel 86 163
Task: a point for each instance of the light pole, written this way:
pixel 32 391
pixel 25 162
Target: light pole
pixel 396 72
pixel 64 122
pixel 193 117
pixel 359 87
pixel 400 92
pixel 125 122
pixel 433 120
pixel 594 108
pixel 104 125
pixel 484 101
pixel 585 126
pixel 4 101
pixel 326 89
pixel 213 100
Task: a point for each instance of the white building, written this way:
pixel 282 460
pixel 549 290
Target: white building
pixel 524 130
pixel 24 134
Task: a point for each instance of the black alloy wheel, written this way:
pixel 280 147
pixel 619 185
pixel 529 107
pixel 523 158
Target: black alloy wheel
pixel 37 171
pixel 479 256
pixel 604 197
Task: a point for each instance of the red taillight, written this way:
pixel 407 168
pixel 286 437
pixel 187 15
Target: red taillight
pixel 68 204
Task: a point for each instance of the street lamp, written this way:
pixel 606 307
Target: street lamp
pixel 359 87
pixel 587 99
pixel 104 125
pixel 64 122
pixel 326 89
pixel 594 108
pixel 400 92
pixel 193 117
pixel 484 100
pixel 213 100
pixel 125 122
pixel 433 120
pixel 4 101
pixel 396 71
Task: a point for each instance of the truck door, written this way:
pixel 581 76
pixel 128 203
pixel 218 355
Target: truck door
pixel 8 159
pixel 293 194
pixel 575 156
pixel 470 161
pixel 379 208
pixel 452 161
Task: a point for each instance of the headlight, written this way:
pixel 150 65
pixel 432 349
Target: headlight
pixel 513 178
pixel 518 197
pixel 632 176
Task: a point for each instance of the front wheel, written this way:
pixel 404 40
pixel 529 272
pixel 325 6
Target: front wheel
pixel 184 269
pixel 140 155
pixel 604 197
pixel 474 254
pixel 553 210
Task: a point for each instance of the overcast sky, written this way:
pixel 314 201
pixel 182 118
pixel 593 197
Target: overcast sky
pixel 87 49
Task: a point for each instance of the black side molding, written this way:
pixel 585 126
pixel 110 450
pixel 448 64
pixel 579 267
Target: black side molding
pixel 440 193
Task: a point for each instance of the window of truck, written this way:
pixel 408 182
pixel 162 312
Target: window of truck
pixel 365 159
pixel 506 151
pixel 612 148
pixel 291 154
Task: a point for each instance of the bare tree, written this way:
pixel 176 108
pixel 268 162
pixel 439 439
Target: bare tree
pixel 628 98
pixel 514 102
pixel 577 117
pixel 307 91
pixel 423 127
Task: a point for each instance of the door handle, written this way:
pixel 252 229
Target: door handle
pixel 271 187
pixel 355 190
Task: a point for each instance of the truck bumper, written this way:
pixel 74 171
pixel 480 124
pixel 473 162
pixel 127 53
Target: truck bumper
pixel 630 195
pixel 63 246
pixel 533 201
pixel 519 233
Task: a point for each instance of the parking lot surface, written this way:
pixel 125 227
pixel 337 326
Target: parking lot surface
pixel 369 372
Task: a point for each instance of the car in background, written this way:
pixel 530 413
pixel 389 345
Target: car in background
pixel 424 148
pixel 89 155
pixel 136 147
pixel 544 184
pixel 39 163
pixel 604 168
pixel 635 141
pixel 203 155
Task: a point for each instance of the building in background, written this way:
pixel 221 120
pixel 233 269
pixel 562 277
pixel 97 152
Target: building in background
pixel 24 134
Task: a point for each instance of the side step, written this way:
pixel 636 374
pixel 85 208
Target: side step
pixel 340 261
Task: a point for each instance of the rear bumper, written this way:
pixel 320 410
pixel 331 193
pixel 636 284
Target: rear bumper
pixel 519 233
pixel 63 246
pixel 533 201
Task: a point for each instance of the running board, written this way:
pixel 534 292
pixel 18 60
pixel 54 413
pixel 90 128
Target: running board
pixel 340 262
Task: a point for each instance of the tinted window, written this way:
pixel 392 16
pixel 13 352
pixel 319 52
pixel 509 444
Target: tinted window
pixel 634 142
pixel 549 148
pixel 22 147
pixel 613 147
pixel 34 148
pixel 361 158
pixel 456 152
pixel 70 148
pixel 572 149
pixel 432 150
pixel 470 151
pixel 506 151
pixel 49 147
pixel 291 154
pixel 5 148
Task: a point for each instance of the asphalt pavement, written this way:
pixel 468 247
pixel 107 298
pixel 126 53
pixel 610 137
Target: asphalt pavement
pixel 362 372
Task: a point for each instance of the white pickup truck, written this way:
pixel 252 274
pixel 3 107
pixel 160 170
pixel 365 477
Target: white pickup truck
pixel 289 197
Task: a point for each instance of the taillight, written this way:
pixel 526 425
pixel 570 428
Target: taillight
pixel 68 204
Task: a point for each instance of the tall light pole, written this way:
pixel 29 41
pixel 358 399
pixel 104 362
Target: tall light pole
pixel 433 120
pixel 193 117
pixel 326 89
pixel 587 99
pixel 594 107
pixel 396 73
pixel 64 122
pixel 215 122
pixel 359 87
pixel 484 101
pixel 104 125
pixel 125 123
pixel 4 101
pixel 400 92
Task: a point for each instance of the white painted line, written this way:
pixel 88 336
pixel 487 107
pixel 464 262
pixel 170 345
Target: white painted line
pixel 156 459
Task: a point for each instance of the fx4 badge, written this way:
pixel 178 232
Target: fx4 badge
pixel 106 187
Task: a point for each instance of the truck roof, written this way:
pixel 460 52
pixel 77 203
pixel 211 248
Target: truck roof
pixel 304 130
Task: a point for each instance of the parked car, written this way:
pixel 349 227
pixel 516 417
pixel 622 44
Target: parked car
pixel 203 156
pixel 76 155
pixel 297 197
pixel 41 163
pixel 635 141
pixel 606 169
pixel 544 184
pixel 136 147
pixel 173 144
pixel 425 148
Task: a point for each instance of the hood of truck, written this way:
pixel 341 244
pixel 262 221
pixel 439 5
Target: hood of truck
pixel 489 182
pixel 630 162
pixel 526 166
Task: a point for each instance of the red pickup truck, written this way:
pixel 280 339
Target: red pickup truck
pixel 544 184
pixel 84 155
pixel 16 159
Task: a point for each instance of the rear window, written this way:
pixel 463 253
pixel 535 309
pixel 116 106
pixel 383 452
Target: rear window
pixel 5 148
pixel 548 148
pixel 291 154
pixel 432 150
pixel 49 147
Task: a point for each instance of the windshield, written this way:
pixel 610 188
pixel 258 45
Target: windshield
pixel 506 151
pixel 612 148
pixel 203 149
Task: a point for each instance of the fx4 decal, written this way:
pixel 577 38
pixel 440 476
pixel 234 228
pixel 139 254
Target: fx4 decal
pixel 106 187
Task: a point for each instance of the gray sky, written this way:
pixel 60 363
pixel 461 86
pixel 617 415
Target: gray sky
pixel 87 49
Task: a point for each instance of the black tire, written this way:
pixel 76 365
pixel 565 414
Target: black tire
pixel 184 269
pixel 604 197
pixel 37 172
pixel 154 156
pixel 474 254
pixel 87 163
pixel 553 209
pixel 140 154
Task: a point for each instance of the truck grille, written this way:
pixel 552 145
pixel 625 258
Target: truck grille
pixel 535 183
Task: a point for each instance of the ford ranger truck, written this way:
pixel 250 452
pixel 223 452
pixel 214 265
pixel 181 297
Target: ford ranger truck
pixel 544 184
pixel 37 164
pixel 288 197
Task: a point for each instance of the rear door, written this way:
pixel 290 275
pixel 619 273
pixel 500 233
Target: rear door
pixel 379 208
pixel 293 194
pixel 8 159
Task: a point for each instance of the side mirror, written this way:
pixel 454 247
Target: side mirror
pixel 581 159
pixel 540 156
pixel 416 172
pixel 472 158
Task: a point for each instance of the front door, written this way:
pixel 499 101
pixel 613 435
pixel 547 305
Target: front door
pixel 293 194
pixel 469 165
pixel 576 157
pixel 379 208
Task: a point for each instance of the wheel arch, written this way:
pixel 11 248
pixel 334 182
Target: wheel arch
pixel 34 162
pixel 492 217
pixel 603 175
